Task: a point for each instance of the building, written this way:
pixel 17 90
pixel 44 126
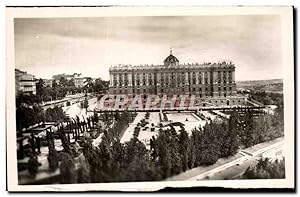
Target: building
pixel 77 78
pixel 81 81
pixel 66 76
pixel 25 82
pixel 208 81
pixel 48 82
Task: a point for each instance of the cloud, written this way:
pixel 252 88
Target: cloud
pixel 90 45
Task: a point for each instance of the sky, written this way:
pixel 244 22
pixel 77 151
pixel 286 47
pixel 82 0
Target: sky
pixel 49 46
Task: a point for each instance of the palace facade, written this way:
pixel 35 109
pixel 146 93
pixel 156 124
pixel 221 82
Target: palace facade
pixel 204 80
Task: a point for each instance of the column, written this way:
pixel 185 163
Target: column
pixel 147 79
pixel 197 78
pixel 129 79
pixel 110 79
pixel 123 79
pixel 186 78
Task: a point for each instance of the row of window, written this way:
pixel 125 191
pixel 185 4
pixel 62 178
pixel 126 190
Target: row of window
pixel 141 91
pixel 138 91
pixel 192 81
pixel 170 77
pixel 200 89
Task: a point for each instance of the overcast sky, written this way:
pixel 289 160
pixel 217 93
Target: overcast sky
pixel 45 47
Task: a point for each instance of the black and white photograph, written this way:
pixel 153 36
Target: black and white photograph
pixel 143 98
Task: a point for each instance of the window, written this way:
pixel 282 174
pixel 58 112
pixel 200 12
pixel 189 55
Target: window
pixel 229 76
pixel 219 77
pixel 194 80
pixel 200 78
pixel 150 80
pixel 120 80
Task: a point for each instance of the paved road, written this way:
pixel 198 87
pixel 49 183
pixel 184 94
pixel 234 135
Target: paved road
pixel 233 166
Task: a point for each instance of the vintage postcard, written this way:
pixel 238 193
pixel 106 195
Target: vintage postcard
pixel 145 98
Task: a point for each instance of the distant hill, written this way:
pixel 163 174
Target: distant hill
pixel 272 85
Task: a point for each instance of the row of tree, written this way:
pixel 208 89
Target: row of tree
pixel 59 90
pixel 173 151
pixel 267 98
pixel 27 116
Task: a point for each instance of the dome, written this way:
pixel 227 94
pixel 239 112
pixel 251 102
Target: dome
pixel 171 59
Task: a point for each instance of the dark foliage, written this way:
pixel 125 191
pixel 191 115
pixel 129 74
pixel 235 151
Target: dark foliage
pixel 265 169
pixel 33 165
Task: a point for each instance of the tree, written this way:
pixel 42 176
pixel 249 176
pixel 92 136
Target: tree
pixel 89 84
pixel 96 117
pixel 52 157
pixel 230 142
pixel 184 148
pixel 71 83
pixel 41 91
pixel 248 131
pixel 33 165
pixel 63 82
pixel 84 170
pixel 265 169
pixel 86 104
pixel 67 168
pixel 100 85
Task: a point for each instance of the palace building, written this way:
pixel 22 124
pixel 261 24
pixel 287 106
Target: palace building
pixel 204 80
pixel 212 82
